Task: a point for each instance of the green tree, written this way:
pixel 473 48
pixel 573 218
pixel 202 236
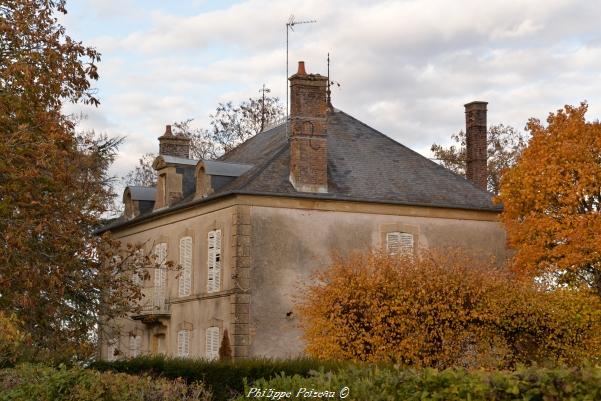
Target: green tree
pixel 54 187
pixel 505 144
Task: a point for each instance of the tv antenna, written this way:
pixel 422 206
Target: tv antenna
pixel 330 83
pixel 290 27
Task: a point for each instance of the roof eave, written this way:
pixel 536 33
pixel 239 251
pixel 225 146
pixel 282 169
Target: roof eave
pixel 218 196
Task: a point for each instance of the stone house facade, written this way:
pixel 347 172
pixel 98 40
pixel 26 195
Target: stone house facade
pixel 249 228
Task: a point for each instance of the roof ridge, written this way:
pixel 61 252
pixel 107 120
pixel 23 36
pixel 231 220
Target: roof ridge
pixel 438 166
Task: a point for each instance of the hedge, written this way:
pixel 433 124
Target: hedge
pixel 225 379
pixel 28 382
pixel 384 384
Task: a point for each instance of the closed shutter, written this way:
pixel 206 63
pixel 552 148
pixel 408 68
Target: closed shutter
pixel 183 343
pixel 185 260
pixel 134 345
pixel 160 275
pixel 393 243
pixel 212 343
pixel 214 261
pixel 398 243
pixel 406 242
pixel 217 272
pixel 138 265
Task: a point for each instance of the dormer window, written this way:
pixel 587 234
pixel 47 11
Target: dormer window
pixel 214 175
pixel 138 200
pixel 175 179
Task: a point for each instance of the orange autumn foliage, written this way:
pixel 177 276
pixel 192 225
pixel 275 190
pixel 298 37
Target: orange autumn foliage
pixel 443 309
pixel 552 200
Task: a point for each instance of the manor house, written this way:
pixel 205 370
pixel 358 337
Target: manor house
pixel 249 228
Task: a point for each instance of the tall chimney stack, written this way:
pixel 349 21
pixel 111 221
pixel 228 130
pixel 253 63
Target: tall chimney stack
pixel 308 138
pixel 476 147
pixel 174 145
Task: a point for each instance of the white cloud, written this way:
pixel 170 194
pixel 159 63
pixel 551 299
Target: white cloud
pixel 405 67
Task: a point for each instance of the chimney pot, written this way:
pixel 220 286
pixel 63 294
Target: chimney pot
pixel 301 68
pixel 174 145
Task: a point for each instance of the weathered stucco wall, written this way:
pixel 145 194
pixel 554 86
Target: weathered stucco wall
pixel 201 309
pixel 289 244
pixel 270 246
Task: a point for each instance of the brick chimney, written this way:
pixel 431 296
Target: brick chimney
pixel 308 132
pixel 476 148
pixel 174 145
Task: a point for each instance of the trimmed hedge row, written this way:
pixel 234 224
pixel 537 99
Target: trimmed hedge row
pixel 27 382
pixel 385 384
pixel 225 379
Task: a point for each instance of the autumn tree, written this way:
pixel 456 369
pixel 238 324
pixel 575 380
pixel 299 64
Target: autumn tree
pixel 551 200
pixel 443 309
pixel 230 125
pixel 54 187
pixel 504 142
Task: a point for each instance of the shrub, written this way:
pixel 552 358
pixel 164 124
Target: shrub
pixel 225 379
pixel 35 382
pixel 12 341
pixel 441 310
pixel 384 384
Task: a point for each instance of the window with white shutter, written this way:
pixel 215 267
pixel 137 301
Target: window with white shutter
pixel 185 260
pixel 214 261
pixel 160 275
pixel 183 343
pixel 212 343
pixel 135 343
pixel 399 243
pixel 138 265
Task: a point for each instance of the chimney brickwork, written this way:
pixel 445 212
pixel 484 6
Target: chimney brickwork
pixel 174 145
pixel 308 126
pixel 476 144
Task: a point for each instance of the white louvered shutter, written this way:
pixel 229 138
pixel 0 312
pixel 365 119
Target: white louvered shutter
pixel 393 243
pixel 137 267
pixel 406 244
pixel 185 260
pixel 214 261
pixel 134 345
pixel 160 275
pixel 183 343
pixel 212 343
pixel 217 266
pixel 398 243
pixel 211 262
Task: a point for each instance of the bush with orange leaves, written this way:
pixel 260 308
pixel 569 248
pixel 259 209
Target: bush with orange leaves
pixel 444 309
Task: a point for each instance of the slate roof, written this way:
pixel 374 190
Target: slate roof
pixel 178 160
pixel 363 165
pixel 212 167
pixel 142 193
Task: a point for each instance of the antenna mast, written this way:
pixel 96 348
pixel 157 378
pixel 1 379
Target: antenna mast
pixel 330 83
pixel 290 27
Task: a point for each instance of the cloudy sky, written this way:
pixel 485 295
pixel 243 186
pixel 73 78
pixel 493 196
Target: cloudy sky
pixel 405 67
